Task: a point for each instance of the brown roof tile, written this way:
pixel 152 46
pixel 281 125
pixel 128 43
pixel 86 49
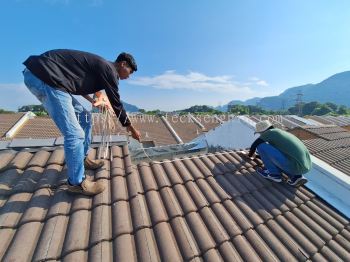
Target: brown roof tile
pixel 209 122
pixel 7 121
pixel 185 127
pixel 169 250
pixel 320 120
pixel 24 242
pixel 44 127
pixel 38 127
pixel 332 145
pixel 152 128
pixel 213 208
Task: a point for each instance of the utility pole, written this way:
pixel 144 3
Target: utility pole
pixel 283 104
pixel 299 103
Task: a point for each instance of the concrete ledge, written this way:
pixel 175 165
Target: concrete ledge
pixel 28 142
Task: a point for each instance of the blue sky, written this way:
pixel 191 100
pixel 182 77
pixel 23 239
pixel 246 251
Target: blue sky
pixel 188 51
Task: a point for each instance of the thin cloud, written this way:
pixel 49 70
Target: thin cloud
pixel 257 81
pixel 193 80
pixel 199 82
pixel 254 79
pixel 262 83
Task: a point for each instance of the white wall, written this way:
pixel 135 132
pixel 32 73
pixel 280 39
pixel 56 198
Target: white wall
pixel 237 133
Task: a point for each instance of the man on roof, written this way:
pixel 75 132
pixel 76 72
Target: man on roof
pixel 280 152
pixel 53 77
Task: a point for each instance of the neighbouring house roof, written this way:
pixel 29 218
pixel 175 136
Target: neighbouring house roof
pixel 321 120
pixel 185 127
pixel 338 120
pixel 152 128
pixel 38 127
pixel 209 122
pixel 7 121
pixel 277 121
pixel 213 207
pixel 332 120
pixel 329 143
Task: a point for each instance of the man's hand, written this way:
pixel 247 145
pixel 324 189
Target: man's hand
pixel 134 132
pixel 102 101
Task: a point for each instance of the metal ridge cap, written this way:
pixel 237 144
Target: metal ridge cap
pixel 195 120
pixel 247 121
pixel 171 130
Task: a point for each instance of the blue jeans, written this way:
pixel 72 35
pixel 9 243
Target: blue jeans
pixel 275 161
pixel 71 118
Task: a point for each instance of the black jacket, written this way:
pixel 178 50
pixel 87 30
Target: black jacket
pixel 79 73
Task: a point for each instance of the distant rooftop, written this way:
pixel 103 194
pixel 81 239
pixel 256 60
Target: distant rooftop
pixel 329 143
pixel 153 129
pixel 7 121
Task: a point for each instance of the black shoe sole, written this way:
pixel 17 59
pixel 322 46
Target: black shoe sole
pixel 301 182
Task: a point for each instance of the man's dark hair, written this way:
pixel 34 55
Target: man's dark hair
pixel 129 59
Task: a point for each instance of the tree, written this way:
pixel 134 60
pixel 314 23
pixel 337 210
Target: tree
pixel 199 110
pixel 36 109
pixel 343 110
pixel 249 110
pixel 154 112
pixel 239 110
pixel 322 110
pixel 256 110
pixel 293 110
pixel 308 108
pixel 203 109
pixel 333 106
pixel 3 111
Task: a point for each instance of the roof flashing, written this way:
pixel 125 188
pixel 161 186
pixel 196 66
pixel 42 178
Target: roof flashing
pixel 330 184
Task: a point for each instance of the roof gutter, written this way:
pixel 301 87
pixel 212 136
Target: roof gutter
pixel 13 130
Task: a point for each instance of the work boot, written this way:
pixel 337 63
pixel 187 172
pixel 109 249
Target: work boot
pixel 93 164
pixel 87 187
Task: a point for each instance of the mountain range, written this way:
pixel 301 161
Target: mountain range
pixel 130 107
pixel 334 89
